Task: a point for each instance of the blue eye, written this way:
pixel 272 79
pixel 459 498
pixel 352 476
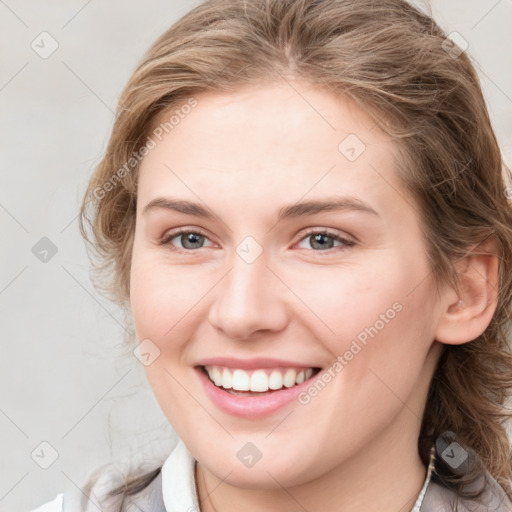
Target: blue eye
pixel 323 240
pixel 188 239
pixel 319 240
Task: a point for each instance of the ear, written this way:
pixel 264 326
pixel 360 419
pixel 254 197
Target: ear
pixel 467 311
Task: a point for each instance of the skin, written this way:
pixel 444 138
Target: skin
pixel 244 155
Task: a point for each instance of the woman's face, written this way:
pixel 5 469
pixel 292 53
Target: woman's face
pixel 255 292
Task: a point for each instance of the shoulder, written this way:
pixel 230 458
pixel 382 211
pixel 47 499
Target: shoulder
pixel 488 495
pixel 143 492
pixel 439 498
pixel 92 497
pixel 99 497
pixel 148 497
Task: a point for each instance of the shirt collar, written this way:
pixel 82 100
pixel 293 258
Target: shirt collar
pixel 178 481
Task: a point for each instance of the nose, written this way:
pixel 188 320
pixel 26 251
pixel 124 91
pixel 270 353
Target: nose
pixel 249 299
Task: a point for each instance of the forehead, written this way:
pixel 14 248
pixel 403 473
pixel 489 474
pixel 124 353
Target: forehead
pixel 271 109
pixel 266 139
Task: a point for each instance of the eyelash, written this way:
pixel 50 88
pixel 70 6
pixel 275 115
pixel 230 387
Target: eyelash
pixel 166 240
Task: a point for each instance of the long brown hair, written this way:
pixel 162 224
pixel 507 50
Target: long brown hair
pixel 398 65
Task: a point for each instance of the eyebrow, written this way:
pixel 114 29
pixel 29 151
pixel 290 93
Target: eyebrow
pixel 293 210
pixel 325 205
pixel 182 206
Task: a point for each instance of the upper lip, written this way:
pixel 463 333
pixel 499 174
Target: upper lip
pixel 251 364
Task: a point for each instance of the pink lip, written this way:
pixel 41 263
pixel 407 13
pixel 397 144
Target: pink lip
pixel 251 406
pixel 252 364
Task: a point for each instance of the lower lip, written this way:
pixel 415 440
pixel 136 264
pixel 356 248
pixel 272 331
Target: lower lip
pixel 251 406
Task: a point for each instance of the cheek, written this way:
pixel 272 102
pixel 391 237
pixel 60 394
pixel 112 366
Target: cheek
pixel 377 325
pixel 162 297
pixel 162 308
pixel 385 330
pixel 340 303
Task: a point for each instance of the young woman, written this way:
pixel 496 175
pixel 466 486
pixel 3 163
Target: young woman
pixel 303 206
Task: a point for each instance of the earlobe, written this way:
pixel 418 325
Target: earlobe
pixel 467 311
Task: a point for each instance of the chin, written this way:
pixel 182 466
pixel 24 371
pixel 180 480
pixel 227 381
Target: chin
pixel 276 470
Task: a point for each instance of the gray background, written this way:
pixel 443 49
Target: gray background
pixel 66 378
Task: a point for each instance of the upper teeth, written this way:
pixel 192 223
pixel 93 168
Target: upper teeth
pixel 257 380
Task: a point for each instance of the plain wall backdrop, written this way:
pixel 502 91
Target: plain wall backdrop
pixel 72 396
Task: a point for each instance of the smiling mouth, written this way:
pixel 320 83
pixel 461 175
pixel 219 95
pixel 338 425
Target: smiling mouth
pixel 258 382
